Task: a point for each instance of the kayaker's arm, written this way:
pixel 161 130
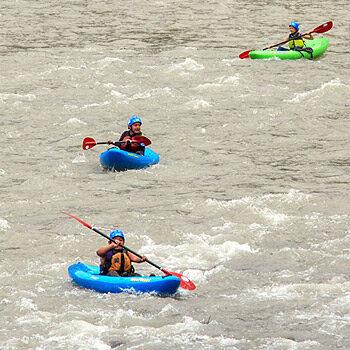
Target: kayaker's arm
pixel 308 36
pixel 134 258
pixel 285 40
pixel 104 250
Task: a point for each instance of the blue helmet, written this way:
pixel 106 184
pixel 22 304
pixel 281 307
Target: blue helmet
pixel 117 233
pixel 295 25
pixel 134 119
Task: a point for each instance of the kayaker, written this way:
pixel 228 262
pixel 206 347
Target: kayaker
pixel 115 260
pixel 296 41
pixel 134 126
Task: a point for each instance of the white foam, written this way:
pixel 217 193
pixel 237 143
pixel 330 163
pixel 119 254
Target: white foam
pixel 75 121
pixel 283 343
pixel 37 317
pixel 5 301
pixel 62 166
pixel 72 68
pixel 141 95
pixel 229 249
pixel 189 331
pixel 227 204
pixel 286 274
pixel 229 62
pixel 206 86
pixel 63 68
pixel 197 104
pixel 273 217
pixel 117 93
pixel 283 292
pixel 75 333
pixel 57 266
pixel 218 82
pixel 112 59
pixel 123 318
pixel 4 224
pixel 190 253
pixel 26 304
pixel 109 85
pixel 299 291
pixel 229 80
pixel 168 310
pixel 149 93
pixel 70 107
pixel 80 158
pixel 228 342
pixel 201 276
pixel 188 65
pixel 78 327
pixel 342 304
pixel 316 93
pixel 88 49
pixel 25 97
pixel 188 324
pixel 263 206
pixel 227 226
pixel 95 105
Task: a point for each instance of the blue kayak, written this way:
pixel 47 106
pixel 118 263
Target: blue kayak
pixel 117 159
pixel 87 276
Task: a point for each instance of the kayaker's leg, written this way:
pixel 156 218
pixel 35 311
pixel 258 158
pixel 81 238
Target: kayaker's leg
pixel 141 151
pixel 113 273
pixel 103 266
pixel 133 274
pixel 305 49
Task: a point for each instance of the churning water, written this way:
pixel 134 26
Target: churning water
pixel 250 199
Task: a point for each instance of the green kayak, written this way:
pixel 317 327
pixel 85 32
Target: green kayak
pixel 318 46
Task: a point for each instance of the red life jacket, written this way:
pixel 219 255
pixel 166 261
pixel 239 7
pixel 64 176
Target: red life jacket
pixel 129 147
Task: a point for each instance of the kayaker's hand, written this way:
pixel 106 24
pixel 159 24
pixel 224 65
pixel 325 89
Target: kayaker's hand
pixel 144 258
pixel 115 245
pixel 109 142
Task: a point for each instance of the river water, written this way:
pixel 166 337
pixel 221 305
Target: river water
pixel 250 199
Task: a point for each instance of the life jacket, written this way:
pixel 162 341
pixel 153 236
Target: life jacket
pixel 297 40
pixel 105 267
pixel 132 147
pixel 121 262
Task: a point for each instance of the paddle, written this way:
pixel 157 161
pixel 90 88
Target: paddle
pixel 185 282
pixel 325 27
pixel 89 142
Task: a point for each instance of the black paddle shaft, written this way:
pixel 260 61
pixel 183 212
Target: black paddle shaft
pixel 111 143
